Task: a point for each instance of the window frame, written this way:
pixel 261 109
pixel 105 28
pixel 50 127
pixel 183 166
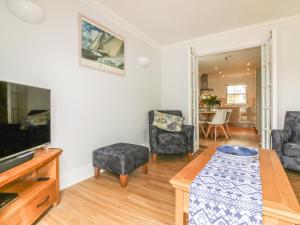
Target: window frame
pixel 246 94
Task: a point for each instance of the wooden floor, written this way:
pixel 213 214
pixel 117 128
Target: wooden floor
pixel 238 136
pixel 148 199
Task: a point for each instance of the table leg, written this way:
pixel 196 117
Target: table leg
pixel 179 213
pixel 185 218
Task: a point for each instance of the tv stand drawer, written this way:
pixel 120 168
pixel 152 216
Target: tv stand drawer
pixel 40 204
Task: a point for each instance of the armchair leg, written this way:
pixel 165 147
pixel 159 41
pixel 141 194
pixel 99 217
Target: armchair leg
pixel 190 156
pixel 154 157
pixel 96 172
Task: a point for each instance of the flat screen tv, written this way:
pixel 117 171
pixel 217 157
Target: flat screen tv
pixel 24 119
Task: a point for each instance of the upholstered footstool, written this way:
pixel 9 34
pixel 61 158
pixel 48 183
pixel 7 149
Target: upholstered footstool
pixel 121 158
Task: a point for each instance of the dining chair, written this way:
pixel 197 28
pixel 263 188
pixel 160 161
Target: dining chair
pixel 228 114
pixel 202 122
pixel 217 122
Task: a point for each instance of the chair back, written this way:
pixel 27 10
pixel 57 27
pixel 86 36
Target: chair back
pixel 172 112
pixel 219 117
pixel 292 122
pixel 228 113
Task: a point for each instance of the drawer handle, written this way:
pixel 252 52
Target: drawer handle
pixel 44 202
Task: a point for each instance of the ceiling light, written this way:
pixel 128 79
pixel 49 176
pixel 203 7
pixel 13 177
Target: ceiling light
pixel 223 76
pixel 220 72
pixel 248 64
pixel 248 69
pixel 216 68
pixel 26 11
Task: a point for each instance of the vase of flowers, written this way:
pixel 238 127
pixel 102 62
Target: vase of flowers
pixel 209 101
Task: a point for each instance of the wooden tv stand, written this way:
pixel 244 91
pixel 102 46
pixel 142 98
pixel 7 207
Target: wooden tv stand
pixel 35 197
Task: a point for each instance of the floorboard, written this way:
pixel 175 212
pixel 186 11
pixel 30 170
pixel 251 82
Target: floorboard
pixel 148 199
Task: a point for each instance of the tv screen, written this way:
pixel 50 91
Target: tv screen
pixel 24 118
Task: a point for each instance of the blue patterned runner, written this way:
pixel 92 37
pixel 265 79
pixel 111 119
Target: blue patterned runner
pixel 226 192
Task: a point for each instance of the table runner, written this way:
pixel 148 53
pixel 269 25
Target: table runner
pixel 226 192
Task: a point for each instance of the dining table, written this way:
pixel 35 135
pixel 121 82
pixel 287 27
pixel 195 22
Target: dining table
pixel 208 115
pixel 280 205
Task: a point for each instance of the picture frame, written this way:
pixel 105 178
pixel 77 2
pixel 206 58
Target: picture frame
pixel 100 48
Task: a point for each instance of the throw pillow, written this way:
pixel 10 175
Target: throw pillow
pixel 167 122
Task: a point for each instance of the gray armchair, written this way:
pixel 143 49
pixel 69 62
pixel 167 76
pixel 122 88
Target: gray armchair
pixel 164 142
pixel 286 142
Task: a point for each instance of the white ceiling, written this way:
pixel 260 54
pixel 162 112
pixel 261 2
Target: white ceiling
pixel 236 66
pixel 170 21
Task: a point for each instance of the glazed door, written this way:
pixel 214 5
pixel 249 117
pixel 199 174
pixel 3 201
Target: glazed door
pixel 195 98
pixel 268 96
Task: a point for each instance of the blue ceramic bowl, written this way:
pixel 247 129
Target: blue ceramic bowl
pixel 238 152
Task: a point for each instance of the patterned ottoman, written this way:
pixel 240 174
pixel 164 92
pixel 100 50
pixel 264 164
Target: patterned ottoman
pixel 121 158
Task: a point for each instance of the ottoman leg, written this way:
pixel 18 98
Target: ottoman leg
pixel 145 168
pixel 96 172
pixel 123 180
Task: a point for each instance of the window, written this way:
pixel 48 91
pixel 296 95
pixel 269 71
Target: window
pixel 236 94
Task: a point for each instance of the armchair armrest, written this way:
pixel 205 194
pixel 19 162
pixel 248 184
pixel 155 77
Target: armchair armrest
pixel 153 138
pixel 279 138
pixel 188 130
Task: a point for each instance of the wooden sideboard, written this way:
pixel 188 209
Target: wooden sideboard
pixel 280 205
pixel 34 197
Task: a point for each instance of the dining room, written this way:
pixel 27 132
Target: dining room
pixel 230 97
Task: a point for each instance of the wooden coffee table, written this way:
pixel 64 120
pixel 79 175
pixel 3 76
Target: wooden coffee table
pixel 280 205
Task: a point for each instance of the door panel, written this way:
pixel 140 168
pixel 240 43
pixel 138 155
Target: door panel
pixel 195 98
pixel 267 99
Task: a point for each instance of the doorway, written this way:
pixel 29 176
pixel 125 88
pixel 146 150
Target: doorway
pixel 262 115
pixel 228 82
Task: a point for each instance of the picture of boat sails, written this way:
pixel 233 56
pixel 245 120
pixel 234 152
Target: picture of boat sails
pixel 100 48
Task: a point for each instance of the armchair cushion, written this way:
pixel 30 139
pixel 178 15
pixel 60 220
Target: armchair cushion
pixel 188 130
pixel 286 142
pixel 292 122
pixel 153 137
pixel 167 122
pixel 172 149
pixel 292 149
pixel 282 136
pixel 172 138
pixel 160 143
pixel 279 138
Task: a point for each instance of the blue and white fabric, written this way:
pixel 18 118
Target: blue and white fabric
pixel 226 192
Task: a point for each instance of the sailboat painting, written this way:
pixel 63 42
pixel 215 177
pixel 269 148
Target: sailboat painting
pixel 100 48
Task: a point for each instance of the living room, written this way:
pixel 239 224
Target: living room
pixel 92 108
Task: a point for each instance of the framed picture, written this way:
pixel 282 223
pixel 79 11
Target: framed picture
pixel 100 48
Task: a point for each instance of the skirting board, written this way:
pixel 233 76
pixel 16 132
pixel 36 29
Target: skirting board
pixel 76 175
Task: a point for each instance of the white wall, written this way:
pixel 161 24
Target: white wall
pixel 175 63
pixel 220 84
pixel 90 108
pixel 288 70
pixel 175 80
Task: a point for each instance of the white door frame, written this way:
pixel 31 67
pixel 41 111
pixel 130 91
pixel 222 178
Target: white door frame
pixel 194 97
pixel 243 45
